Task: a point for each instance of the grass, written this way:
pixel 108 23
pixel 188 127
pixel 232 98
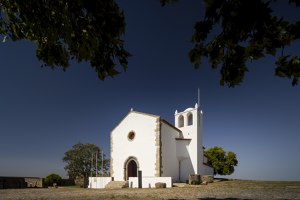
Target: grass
pixel 70 187
pixel 231 189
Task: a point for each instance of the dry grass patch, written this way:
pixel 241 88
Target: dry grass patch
pixel 235 189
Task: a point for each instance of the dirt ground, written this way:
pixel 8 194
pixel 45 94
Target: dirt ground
pixel 234 189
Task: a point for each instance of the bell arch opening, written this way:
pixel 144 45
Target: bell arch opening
pixel 190 119
pixel 180 121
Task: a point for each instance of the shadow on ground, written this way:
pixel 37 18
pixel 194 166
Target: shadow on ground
pixel 222 199
pixel 216 199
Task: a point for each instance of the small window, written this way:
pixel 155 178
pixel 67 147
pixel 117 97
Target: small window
pixel 131 135
pixel 190 119
pixel 180 121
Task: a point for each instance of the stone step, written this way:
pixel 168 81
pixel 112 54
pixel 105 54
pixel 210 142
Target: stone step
pixel 117 184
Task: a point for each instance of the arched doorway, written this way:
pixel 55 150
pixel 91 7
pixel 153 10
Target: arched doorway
pixel 131 168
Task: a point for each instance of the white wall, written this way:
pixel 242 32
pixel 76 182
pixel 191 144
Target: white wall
pixel 200 142
pixel 191 165
pixel 206 170
pixel 182 149
pixel 98 182
pixel 186 168
pixel 170 163
pixel 149 182
pixel 142 146
pixel 204 159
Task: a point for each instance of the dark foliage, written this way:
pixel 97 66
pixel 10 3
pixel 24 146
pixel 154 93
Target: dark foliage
pixel 91 31
pixel 246 31
pixel 68 29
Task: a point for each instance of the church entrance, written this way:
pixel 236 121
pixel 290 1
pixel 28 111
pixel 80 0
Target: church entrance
pixel 131 168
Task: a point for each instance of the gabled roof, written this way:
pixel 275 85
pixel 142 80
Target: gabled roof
pixel 172 126
pixel 133 111
pixel 150 115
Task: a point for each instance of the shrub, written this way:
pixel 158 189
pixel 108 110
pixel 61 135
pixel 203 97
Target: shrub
pixel 52 178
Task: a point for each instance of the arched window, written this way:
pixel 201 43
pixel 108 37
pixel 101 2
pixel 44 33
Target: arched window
pixel 180 121
pixel 190 119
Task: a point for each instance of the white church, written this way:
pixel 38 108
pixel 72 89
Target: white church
pixel 147 143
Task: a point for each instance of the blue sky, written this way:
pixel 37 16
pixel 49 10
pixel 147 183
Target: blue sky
pixel 43 112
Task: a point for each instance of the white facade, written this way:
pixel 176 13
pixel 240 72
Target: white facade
pixel 147 143
pixel 141 149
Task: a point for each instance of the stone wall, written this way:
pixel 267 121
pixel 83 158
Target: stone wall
pixel 34 182
pixel 12 182
pixel 194 179
pixel 20 182
pixel 79 181
pixel 207 179
pixel 67 182
pixel 28 182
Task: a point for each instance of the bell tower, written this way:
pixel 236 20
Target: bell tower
pixel 190 123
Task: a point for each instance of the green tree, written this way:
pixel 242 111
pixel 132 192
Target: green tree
pixel 235 32
pixel 68 29
pixel 53 178
pixel 222 162
pixel 81 161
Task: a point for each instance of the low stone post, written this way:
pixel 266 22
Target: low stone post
pixel 194 179
pixel 140 179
